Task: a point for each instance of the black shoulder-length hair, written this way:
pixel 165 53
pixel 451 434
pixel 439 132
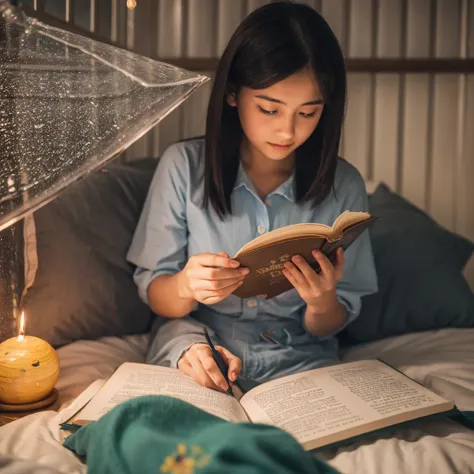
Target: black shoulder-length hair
pixel 272 43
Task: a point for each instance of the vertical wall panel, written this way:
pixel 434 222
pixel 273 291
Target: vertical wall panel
pixel 170 28
pixel 415 143
pixel 385 129
pixel 202 42
pixel 170 44
pixel 443 149
pixel 470 32
pixel 56 9
pixel 445 120
pixel 416 104
pixel 448 27
pixel 465 212
pixel 131 152
pixel 194 111
pixel 254 4
pixel 462 116
pixel 81 14
pixel 389 28
pixel 145 24
pixel 130 30
pixel 336 14
pixel 316 4
pixel 418 28
pixel 359 43
pixel 230 14
pixel 361 28
pixel 201 28
pixel 357 123
pixel 104 17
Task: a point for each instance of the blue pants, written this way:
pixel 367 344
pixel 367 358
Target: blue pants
pixel 269 348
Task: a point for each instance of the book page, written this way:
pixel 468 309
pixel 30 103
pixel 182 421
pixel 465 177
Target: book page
pixel 285 233
pixel 348 218
pixel 304 229
pixel 133 380
pixel 326 405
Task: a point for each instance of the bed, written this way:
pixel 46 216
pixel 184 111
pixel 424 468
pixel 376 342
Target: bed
pixel 422 326
pixel 442 360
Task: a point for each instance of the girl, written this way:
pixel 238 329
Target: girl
pixel 268 159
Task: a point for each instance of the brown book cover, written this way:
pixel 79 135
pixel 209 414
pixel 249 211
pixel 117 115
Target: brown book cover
pixel 266 262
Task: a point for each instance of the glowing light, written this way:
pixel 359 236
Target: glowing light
pixel 21 332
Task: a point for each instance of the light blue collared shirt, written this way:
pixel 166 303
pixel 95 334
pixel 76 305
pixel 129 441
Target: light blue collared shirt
pixel 173 226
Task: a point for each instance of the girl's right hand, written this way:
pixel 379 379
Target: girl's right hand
pixel 198 363
pixel 210 278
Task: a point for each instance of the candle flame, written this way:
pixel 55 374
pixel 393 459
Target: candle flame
pixel 21 332
pixel 131 4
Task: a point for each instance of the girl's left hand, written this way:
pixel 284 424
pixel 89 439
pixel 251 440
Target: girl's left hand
pixel 317 290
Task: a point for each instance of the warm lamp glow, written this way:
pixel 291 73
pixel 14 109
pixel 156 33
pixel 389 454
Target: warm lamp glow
pixel 131 4
pixel 21 332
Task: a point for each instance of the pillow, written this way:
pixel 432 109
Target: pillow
pixel 419 266
pixel 84 287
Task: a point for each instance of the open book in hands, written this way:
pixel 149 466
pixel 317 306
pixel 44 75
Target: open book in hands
pixel 319 407
pixel 266 255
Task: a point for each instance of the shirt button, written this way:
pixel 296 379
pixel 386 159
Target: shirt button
pixel 251 303
pixel 268 202
pixel 261 229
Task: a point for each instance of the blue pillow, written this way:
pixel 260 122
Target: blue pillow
pixel 419 266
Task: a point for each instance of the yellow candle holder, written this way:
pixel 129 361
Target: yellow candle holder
pixel 29 370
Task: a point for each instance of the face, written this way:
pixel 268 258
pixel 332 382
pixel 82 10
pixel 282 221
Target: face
pixel 279 119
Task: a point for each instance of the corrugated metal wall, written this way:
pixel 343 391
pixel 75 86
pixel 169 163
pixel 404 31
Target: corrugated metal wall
pixel 415 131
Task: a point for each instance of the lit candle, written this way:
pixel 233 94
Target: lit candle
pixel 21 331
pixel 29 368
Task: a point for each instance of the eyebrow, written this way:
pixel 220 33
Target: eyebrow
pixel 271 99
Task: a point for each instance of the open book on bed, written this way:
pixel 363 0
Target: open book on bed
pixel 319 407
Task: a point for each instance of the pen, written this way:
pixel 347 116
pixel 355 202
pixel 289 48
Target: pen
pixel 219 361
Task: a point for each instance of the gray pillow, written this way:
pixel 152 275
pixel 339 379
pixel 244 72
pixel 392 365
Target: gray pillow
pixel 84 286
pixel 419 267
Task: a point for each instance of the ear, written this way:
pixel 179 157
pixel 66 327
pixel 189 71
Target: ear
pixel 230 99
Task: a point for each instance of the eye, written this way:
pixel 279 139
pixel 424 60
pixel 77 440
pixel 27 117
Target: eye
pixel 311 115
pixel 266 112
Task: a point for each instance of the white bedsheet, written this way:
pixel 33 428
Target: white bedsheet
pixel 441 360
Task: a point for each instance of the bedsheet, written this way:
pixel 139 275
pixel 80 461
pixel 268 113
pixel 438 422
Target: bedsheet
pixel 442 360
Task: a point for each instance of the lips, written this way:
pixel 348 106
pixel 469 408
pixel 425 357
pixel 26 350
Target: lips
pixel 279 147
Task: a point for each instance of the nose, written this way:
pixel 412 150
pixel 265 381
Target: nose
pixel 286 128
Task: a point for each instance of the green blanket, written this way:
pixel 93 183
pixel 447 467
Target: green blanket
pixel 159 434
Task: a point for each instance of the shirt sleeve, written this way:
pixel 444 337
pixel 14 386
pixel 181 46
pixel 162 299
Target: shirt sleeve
pixel 159 244
pixel 359 277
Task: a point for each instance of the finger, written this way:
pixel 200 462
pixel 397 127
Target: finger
pixel 289 276
pixel 304 267
pixel 217 285
pixel 214 296
pixel 209 273
pixel 185 367
pixel 327 268
pixel 223 254
pixel 233 363
pixel 212 370
pixel 297 276
pixel 199 373
pixel 216 260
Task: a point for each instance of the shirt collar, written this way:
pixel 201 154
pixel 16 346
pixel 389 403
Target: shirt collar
pixel 286 189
